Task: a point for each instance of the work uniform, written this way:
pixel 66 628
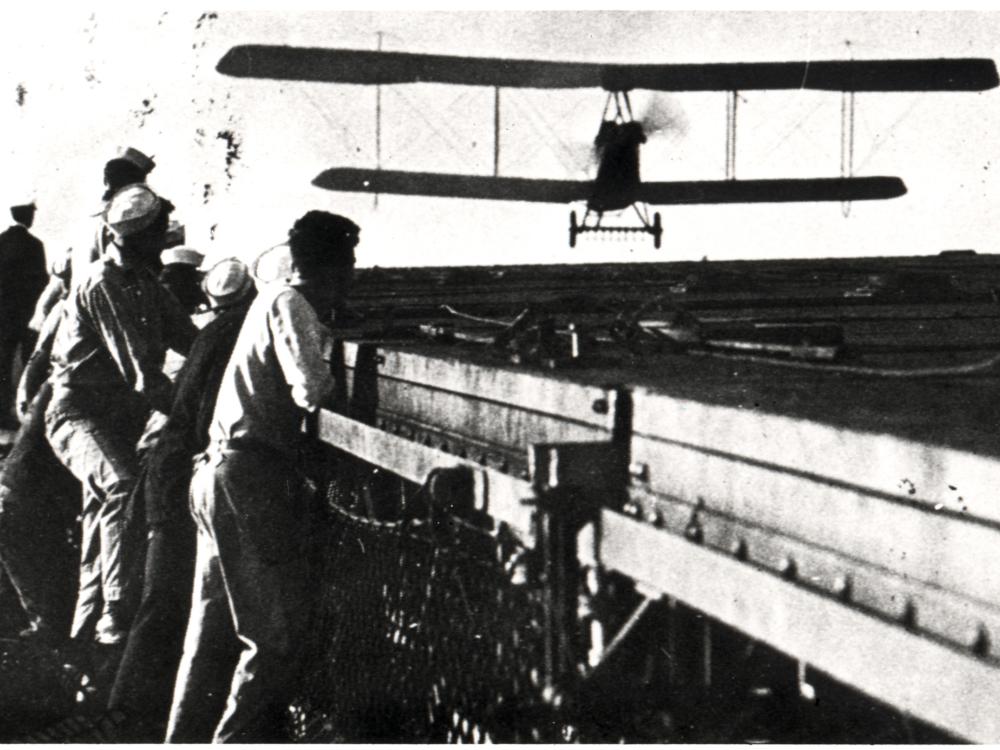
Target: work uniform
pixel 22 279
pixel 37 506
pixel 107 372
pixel 145 679
pixel 93 239
pixel 250 506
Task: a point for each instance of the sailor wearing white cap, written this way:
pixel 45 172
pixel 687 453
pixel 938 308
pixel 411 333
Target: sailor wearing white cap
pixel 107 373
pixel 128 166
pixel 145 678
pixel 227 282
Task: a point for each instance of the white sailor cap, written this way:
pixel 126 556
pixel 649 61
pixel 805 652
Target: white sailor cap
pixel 132 209
pixel 187 256
pixel 274 265
pixel 227 282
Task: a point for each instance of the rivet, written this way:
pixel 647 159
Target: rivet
pixel 600 406
pixel 787 567
pixel 639 471
pixel 739 549
pixel 979 639
pixel 842 586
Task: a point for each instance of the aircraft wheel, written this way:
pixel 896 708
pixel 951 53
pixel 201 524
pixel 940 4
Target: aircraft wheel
pixel 573 228
pixel 657 230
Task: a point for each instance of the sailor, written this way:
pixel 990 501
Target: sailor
pixel 145 678
pixel 181 274
pixel 250 501
pixel 38 504
pixel 107 373
pixel 22 279
pixel 129 166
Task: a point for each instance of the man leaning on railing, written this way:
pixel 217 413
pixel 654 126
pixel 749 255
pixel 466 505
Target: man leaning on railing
pixel 248 497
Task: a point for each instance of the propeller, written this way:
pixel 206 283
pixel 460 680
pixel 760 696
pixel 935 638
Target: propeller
pixel 662 114
pixel 659 115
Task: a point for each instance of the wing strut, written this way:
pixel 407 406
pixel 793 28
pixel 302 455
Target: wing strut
pixel 378 122
pixel 732 98
pixel 846 142
pixel 496 131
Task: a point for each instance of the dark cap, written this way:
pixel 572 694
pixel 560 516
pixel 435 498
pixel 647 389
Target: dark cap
pixel 135 157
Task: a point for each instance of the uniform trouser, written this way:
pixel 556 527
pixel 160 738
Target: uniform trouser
pixel 37 506
pixel 100 451
pixel 250 580
pixel 144 682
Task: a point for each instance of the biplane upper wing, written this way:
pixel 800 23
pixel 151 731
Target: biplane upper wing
pixel 377 67
pixel 568 191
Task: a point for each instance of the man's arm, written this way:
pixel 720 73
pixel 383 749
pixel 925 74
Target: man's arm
pixel 52 293
pixel 298 343
pixel 37 368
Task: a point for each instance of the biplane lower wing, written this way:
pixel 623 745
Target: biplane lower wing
pixel 382 67
pixel 805 190
pixel 568 191
pixel 439 185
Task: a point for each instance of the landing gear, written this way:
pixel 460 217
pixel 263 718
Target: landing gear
pixel 592 223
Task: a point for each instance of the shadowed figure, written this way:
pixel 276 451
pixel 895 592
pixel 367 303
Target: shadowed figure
pixel 22 278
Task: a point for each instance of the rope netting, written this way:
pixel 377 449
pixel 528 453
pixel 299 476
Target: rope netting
pixel 425 629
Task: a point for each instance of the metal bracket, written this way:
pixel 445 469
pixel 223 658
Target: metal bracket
pixel 598 659
pixel 572 481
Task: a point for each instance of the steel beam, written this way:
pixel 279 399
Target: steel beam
pixel 921 511
pixel 510 386
pixel 501 406
pixel 503 497
pixel 931 609
pixel 941 685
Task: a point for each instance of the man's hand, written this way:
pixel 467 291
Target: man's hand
pixel 22 405
pixel 36 371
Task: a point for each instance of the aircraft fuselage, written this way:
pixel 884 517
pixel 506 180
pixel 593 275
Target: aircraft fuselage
pixel 617 182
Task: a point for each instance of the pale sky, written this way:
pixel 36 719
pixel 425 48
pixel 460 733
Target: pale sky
pixel 80 83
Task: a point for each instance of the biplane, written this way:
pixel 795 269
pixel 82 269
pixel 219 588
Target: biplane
pixel 617 185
